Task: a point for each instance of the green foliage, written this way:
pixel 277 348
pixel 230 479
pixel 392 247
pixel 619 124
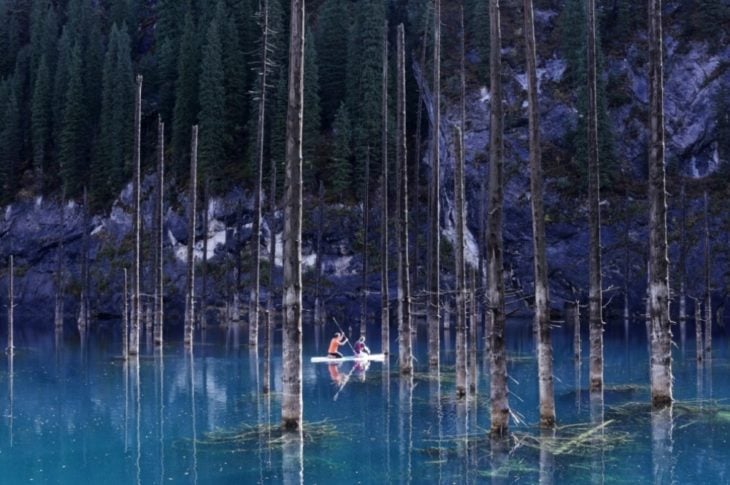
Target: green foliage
pixel 235 78
pixel 212 109
pixel 312 118
pixel 41 116
pixel 331 40
pixel 73 149
pixel 339 167
pixel 11 140
pixel 113 159
pixel 186 99
pixel 476 20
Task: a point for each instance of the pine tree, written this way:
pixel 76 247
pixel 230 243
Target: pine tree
pixel 212 109
pixel 235 78
pixel 167 45
pixel 312 114
pixel 11 141
pixel 60 85
pixel 43 37
pixel 186 98
pixel 331 39
pixel 364 71
pixel 340 168
pixel 41 119
pixel 72 154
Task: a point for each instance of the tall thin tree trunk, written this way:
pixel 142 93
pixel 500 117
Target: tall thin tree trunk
pixel 473 336
pixel 365 246
pixel 204 276
pixel 661 332
pixel 267 353
pixel 192 207
pixel 125 318
pixel 253 325
pixel 136 222
pixel 384 246
pixel 405 355
pixel 434 290
pixel 11 306
pixel 683 254
pixel 495 267
pixel 708 285
pixel 416 209
pixel 318 264
pixel 59 280
pixel 160 243
pixel 575 314
pixel 272 237
pixel 698 330
pixel 460 267
pixel 291 405
pixel 595 291
pixel 84 308
pixel 542 289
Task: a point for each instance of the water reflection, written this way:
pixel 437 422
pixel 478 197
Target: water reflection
pixel 191 383
pixel 292 463
pixel 547 458
pixel 662 445
pixel 405 427
pixel 11 392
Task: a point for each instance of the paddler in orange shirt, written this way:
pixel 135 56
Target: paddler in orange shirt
pixel 337 341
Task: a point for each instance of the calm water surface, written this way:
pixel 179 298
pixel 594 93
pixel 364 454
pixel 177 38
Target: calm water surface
pixel 73 412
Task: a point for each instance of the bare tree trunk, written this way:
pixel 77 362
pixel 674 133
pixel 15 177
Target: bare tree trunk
pixel 384 246
pixel 416 209
pixel 473 337
pixel 190 275
pixel 575 314
pixel 708 285
pixel 160 243
pixel 253 325
pixel 11 307
pixel 495 267
pixel 698 330
pixel 542 289
pixel 318 265
pixel 460 267
pixel 595 291
pixel 59 297
pixel 272 236
pixel 267 353
pixel 434 290
pixel 661 332
pixel 405 355
pixel 84 307
pixel 365 239
pixel 204 276
pixel 136 223
pixel 291 405
pixel 683 255
pixel 125 318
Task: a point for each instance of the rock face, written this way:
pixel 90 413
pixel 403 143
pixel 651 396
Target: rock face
pixel 31 230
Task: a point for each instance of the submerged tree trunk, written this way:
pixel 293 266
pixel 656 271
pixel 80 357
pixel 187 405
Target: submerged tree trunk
pixel 495 269
pixel 136 223
pixel 272 238
pixel 699 345
pixel 84 307
pixel 405 355
pixel 595 291
pixel 159 292
pixel 365 238
pixel 59 299
pixel 318 315
pixel 253 324
pixel 291 404
pixel 708 285
pixel 434 290
pixel 204 276
pixel 384 245
pixel 661 333
pixel 682 270
pixel 473 338
pixel 125 318
pixel 542 294
pixel 460 267
pixel 11 307
pixel 190 275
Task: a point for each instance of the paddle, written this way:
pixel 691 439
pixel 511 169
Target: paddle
pixel 344 382
pixel 343 333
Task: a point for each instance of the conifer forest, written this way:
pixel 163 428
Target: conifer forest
pixel 377 241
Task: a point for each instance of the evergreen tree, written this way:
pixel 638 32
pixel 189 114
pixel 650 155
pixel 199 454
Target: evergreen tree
pixel 11 143
pixel 364 85
pixel 41 118
pixel 43 36
pixel 167 46
pixel 339 170
pixel 112 162
pixel 332 31
pixel 234 70
pixel 212 109
pixel 312 114
pixel 476 16
pixel 186 98
pixel 72 153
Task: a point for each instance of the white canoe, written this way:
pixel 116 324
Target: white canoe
pixel 349 358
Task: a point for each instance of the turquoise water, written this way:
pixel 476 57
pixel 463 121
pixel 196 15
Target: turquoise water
pixel 73 412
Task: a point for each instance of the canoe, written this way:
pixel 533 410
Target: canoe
pixel 349 358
